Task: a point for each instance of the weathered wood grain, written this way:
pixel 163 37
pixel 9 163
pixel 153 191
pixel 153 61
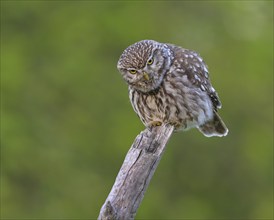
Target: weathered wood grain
pixel 135 174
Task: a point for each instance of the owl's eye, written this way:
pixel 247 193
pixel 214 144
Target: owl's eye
pixel 132 71
pixel 150 61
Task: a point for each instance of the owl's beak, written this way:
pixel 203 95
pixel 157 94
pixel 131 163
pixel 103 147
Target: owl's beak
pixel 146 77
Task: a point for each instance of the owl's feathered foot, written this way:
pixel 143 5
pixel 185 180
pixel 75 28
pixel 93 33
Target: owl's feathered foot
pixel 176 124
pixel 153 124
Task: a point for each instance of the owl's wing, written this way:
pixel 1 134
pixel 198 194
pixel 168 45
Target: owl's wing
pixel 191 64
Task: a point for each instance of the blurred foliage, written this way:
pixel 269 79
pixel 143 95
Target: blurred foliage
pixel 67 122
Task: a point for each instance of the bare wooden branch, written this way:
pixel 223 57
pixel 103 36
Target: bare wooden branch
pixel 135 174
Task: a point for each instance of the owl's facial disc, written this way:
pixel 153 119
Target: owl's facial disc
pixel 149 76
pixel 139 79
pixel 144 64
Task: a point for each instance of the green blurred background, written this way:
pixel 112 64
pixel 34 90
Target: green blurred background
pixel 67 123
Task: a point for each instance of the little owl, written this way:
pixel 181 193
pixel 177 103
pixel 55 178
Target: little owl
pixel 170 84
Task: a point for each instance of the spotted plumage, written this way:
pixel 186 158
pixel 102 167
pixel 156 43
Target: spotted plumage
pixel 170 84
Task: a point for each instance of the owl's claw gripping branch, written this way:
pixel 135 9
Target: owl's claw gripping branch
pixel 155 123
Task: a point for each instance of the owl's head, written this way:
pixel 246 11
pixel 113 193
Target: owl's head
pixel 144 64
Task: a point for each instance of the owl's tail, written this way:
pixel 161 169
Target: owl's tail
pixel 214 127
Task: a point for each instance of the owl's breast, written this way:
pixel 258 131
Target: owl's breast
pixel 173 102
pixel 148 106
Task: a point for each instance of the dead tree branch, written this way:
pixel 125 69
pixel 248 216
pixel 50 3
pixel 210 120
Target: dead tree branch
pixel 135 174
